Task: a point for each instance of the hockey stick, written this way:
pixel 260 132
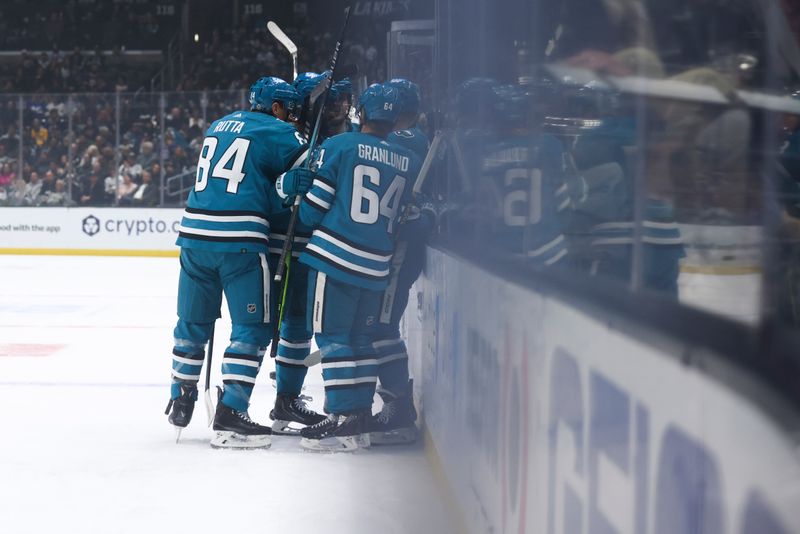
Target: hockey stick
pixel 286 252
pixel 421 177
pixel 401 245
pixel 276 325
pixel 287 43
pixel 287 245
pixel 207 392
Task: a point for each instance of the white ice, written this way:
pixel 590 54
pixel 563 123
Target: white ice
pixel 85 348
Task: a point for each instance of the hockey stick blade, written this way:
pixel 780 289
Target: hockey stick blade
pixel 278 34
pixel 313 359
pixel 287 43
pixel 433 150
pixel 207 393
pixel 209 406
pixel 426 164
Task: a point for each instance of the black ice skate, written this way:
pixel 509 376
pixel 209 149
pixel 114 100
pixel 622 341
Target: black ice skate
pixel 394 424
pixel 337 433
pixel 235 430
pixel 180 410
pixel 291 413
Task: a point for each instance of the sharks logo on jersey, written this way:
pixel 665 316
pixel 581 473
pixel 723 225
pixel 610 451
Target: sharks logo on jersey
pixel 412 139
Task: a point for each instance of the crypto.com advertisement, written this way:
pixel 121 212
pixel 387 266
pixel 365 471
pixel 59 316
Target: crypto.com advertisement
pixel 94 229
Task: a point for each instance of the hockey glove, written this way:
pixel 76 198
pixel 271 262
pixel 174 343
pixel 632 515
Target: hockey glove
pixel 295 182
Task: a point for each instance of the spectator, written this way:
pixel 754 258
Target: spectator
pixel 125 190
pixel 32 190
pixel 6 175
pixel 146 195
pixel 93 192
pixel 48 182
pixel 16 192
pixel 39 133
pixel 146 154
pixel 10 140
pixel 56 197
pixel 174 118
pixel 91 155
pixel 155 170
pixel 129 167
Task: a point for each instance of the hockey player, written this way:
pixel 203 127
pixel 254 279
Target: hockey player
pixel 407 133
pixel 357 194
pixel 606 218
pixel 395 423
pixel 224 239
pixel 523 185
pixel 337 112
pixel 291 410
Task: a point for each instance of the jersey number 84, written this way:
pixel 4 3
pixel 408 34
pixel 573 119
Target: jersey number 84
pixel 229 167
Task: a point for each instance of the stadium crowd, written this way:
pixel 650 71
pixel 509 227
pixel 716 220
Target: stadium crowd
pixel 88 167
pixel 102 155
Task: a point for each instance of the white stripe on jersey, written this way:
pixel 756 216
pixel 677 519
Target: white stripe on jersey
pixel 236 361
pixel 186 361
pixel 266 281
pixel 222 233
pixel 325 187
pixel 392 357
pixel 184 376
pixel 345 263
pixel 287 344
pixel 352 250
pixel 557 257
pixel 350 381
pixel 300 160
pixel 349 363
pixel 541 250
pixel 318 201
pixel 386 343
pixel 225 218
pixel 319 302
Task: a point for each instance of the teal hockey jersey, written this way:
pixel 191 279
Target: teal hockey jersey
pixel 523 181
pixel 361 187
pixel 242 155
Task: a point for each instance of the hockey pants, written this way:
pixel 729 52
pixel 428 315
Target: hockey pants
pixel 245 280
pixel 343 318
pixel 295 336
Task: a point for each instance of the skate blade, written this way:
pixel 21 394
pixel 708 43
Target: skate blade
pixel 286 428
pixel 224 439
pixel 334 444
pixel 400 436
pixel 178 431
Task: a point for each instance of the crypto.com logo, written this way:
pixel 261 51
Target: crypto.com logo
pixel 91 225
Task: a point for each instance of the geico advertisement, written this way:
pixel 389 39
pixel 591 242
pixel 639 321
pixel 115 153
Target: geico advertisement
pixel 89 228
pixel 549 421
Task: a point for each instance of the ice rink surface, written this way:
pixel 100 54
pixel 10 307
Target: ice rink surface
pixel 85 348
